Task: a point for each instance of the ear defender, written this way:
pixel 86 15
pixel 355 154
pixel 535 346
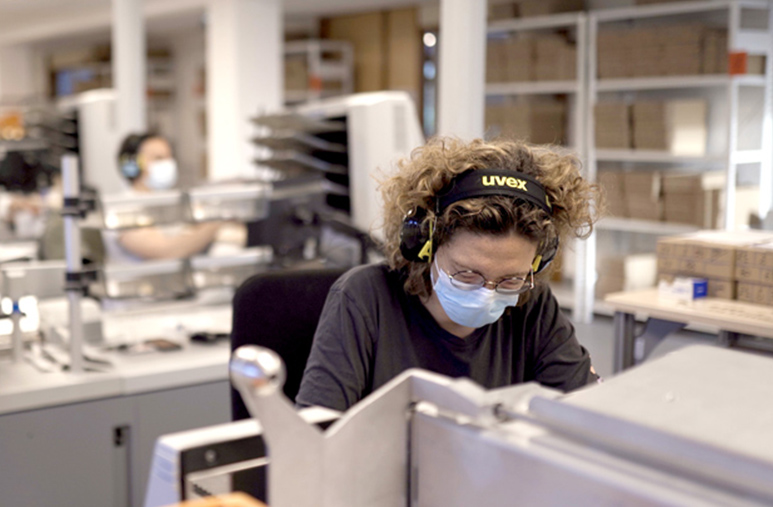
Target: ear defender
pixel 416 236
pixel 130 168
pixel 548 251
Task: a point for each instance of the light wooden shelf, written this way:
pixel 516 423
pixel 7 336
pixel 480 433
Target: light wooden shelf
pixel 677 82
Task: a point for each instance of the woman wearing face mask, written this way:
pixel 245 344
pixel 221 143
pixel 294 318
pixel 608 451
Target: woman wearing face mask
pixel 147 163
pixel 469 230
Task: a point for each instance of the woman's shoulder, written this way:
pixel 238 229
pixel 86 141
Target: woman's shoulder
pixel 539 300
pixel 364 279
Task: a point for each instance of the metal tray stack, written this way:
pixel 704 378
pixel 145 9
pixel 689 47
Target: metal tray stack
pixel 303 146
pixel 126 211
pixel 231 271
pixel 246 202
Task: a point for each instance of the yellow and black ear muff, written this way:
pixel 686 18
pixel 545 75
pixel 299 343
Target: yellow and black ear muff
pixel 416 236
pixel 547 252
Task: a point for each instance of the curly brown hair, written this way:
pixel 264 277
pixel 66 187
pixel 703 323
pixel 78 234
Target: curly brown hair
pixel 430 168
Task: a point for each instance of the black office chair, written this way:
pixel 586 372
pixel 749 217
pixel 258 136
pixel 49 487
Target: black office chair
pixel 280 310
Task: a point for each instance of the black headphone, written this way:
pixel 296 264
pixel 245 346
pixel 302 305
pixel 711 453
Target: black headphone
pixel 127 155
pixel 416 235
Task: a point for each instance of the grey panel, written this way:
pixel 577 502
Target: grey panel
pixel 64 455
pixel 171 411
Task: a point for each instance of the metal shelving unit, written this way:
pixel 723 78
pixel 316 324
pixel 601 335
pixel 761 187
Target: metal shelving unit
pixel 321 69
pixel 727 90
pixel 575 89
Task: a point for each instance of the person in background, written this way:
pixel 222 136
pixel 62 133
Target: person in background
pixel 147 163
pixel 469 232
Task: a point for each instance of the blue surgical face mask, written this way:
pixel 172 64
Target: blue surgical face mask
pixel 470 308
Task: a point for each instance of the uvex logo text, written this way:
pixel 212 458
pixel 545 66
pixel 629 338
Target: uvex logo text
pixel 502 181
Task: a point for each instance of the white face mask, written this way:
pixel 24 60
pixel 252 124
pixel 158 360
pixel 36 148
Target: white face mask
pixel 470 308
pixel 162 174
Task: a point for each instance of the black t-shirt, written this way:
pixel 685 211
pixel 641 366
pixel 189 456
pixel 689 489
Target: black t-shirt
pixel 371 330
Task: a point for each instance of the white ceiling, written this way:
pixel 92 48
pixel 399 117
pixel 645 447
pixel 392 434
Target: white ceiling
pixel 28 11
pixel 50 20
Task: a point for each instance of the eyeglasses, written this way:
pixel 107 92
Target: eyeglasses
pixel 472 280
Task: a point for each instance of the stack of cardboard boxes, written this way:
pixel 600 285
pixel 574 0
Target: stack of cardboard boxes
pixel 611 183
pixel 296 73
pixel 509 59
pixel 555 59
pixel 504 9
pixel 530 57
pixel 642 190
pixel 734 263
pixel 538 121
pixel 612 125
pixel 625 273
pixel 647 52
pixel 674 196
pixel 715 51
pixel 675 50
pixel 615 48
pixel 754 272
pixel 693 199
pixel 674 126
pixel 683 47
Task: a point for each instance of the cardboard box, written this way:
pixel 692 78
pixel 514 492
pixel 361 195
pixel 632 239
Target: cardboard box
pixel 614 57
pixel 612 126
pixel 760 255
pixel 722 289
pixel 539 122
pixel 642 191
pixel 625 273
pixel 296 74
pixel 496 58
pixel 502 10
pixel 755 293
pixel 711 254
pixel 701 209
pixel 519 59
pixel 611 183
pixel 693 198
pixel 755 64
pixel 555 58
pixel 685 183
pixel 676 126
pixel 715 51
pixel 530 8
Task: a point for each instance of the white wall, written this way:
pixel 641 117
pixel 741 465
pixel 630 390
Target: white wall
pixel 244 78
pixel 17 73
pixel 188 51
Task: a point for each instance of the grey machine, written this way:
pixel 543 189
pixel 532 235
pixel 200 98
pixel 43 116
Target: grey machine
pixel 691 428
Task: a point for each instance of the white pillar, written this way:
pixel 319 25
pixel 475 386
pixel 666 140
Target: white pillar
pixel 17 77
pixel 245 74
pixel 461 69
pixel 128 63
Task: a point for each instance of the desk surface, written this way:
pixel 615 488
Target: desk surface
pixel 23 387
pixel 735 316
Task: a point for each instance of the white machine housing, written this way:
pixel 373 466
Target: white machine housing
pixel 381 128
pixel 691 428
